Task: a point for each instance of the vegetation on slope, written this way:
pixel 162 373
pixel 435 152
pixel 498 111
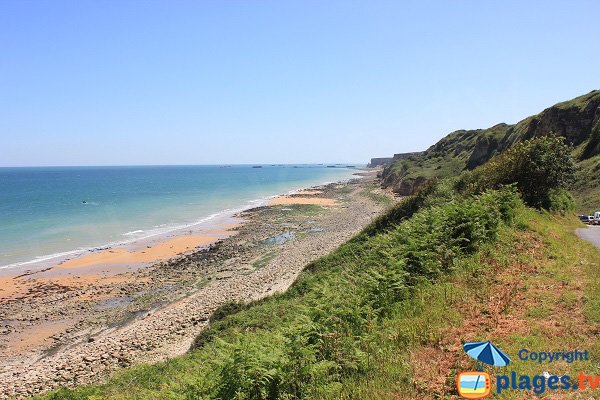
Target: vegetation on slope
pixel 533 291
pixel 325 332
pixel 587 186
pixel 577 121
pixel 541 169
pixel 348 326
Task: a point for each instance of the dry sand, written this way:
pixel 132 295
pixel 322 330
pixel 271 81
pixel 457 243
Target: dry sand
pixel 10 286
pixel 309 192
pixel 288 200
pixel 37 335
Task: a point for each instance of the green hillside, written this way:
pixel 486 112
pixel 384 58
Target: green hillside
pixel 577 120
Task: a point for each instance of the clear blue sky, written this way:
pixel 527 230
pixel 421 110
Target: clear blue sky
pixel 204 82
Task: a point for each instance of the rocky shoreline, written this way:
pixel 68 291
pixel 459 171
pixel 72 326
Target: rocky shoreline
pixel 155 312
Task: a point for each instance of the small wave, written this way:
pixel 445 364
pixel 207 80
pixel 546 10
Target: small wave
pixel 133 232
pixel 48 257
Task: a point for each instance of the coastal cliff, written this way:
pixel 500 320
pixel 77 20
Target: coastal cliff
pixel 577 120
pixel 384 161
pixel 379 161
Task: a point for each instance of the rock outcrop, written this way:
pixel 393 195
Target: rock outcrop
pixel 383 161
pixel 376 162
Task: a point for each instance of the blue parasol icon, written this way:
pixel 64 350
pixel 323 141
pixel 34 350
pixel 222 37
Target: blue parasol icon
pixel 487 353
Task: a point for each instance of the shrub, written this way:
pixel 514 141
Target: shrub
pixel 560 201
pixel 428 243
pixel 537 167
pixel 385 288
pixel 251 370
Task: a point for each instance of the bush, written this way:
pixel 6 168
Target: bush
pixel 560 201
pixel 251 370
pixel 226 309
pixel 537 167
pixel 431 240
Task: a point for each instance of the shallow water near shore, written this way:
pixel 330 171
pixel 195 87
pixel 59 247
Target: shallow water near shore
pixel 48 214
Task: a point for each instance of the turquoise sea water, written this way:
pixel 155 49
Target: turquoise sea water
pixel 48 212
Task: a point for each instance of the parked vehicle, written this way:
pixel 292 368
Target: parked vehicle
pixel 590 219
pixel 585 218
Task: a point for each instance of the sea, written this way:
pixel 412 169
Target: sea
pixel 49 213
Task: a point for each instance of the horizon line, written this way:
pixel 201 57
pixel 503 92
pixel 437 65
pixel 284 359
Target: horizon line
pixel 181 165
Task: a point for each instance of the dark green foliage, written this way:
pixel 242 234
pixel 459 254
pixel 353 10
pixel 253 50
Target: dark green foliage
pixel 560 201
pixel 385 288
pixel 226 309
pixel 204 337
pixel 537 167
pixel 218 315
pixel 252 370
pixel 428 243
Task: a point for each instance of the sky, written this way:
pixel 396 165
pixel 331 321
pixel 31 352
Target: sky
pixel 259 81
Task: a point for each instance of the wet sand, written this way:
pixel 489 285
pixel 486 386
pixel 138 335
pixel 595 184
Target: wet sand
pixel 158 252
pixel 38 335
pixel 105 266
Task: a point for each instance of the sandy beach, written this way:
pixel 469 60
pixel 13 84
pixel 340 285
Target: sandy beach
pixel 80 320
pixel 283 200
